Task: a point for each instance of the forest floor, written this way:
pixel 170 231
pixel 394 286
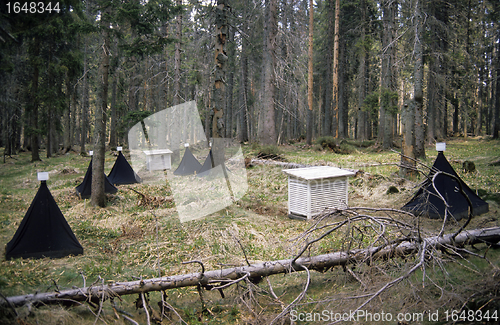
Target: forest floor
pixel 130 239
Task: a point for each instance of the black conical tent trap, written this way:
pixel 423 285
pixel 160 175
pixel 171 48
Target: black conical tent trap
pixel 122 172
pixel 427 202
pixel 85 188
pixel 208 166
pixel 189 164
pixel 43 232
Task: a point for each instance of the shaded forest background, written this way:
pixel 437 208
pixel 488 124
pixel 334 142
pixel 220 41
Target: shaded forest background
pixel 380 69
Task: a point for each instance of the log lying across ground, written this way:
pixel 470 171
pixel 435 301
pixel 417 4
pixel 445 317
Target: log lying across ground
pixel 255 271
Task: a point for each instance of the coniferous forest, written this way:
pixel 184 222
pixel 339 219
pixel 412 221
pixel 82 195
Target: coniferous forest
pixel 363 69
pixel 297 83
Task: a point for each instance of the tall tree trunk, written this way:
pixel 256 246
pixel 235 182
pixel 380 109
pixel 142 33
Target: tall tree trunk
pixel 335 89
pixel 419 149
pixel 343 111
pixel 113 139
pixel 496 108
pixel 230 83
pixel 33 103
pixel 329 69
pixel 361 126
pixel 98 197
pixel 67 117
pixel 267 129
pixel 310 75
pixel 454 102
pixel 177 58
pixel 85 102
pixel 386 115
pixel 432 93
pixel 407 168
pixel 243 116
pixel 218 90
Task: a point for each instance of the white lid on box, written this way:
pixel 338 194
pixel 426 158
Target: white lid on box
pixel 43 176
pixel 441 146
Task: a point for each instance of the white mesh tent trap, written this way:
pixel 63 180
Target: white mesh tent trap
pixel 311 190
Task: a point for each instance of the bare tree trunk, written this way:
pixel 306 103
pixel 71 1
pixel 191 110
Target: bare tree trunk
pixel 335 89
pixel 407 169
pixel 267 129
pixel 33 104
pixel 177 58
pixel 310 75
pixel 85 102
pixel 113 140
pixel 496 108
pixel 67 117
pixel 344 87
pixel 432 93
pixel 218 90
pixel 230 83
pixel 98 197
pixel 243 116
pixel 361 126
pixel 329 69
pixel 386 115
pixel 419 148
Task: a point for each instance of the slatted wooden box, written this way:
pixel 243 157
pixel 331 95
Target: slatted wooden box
pixel 158 159
pixel 312 190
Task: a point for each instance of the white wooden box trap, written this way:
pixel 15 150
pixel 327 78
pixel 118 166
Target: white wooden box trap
pixel 313 189
pixel 158 159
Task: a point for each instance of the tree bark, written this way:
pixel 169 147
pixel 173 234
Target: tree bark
pixel 220 56
pixel 67 117
pixel 254 271
pixel 113 139
pixel 33 103
pixel 361 126
pixel 243 116
pixel 496 108
pixel 407 169
pixel 419 149
pixel 386 115
pixel 329 69
pixel 267 128
pixel 85 102
pixel 177 58
pixel 230 83
pixel 310 75
pixel 335 89
pixel 98 197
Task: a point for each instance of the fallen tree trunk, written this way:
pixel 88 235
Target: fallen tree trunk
pixel 256 271
pixel 291 165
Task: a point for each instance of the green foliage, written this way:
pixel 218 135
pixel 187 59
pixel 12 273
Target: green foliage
pixel 327 142
pixel 145 20
pixel 132 118
pixel 386 98
pixel 389 100
pixel 331 143
pixel 371 103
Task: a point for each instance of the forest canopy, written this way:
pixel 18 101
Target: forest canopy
pixel 365 69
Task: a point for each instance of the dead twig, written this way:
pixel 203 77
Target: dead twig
pixel 145 306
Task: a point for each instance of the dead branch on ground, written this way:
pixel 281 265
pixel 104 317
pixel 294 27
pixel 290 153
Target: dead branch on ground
pixel 256 271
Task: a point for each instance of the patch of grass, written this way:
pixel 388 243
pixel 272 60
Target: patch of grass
pixel 125 241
